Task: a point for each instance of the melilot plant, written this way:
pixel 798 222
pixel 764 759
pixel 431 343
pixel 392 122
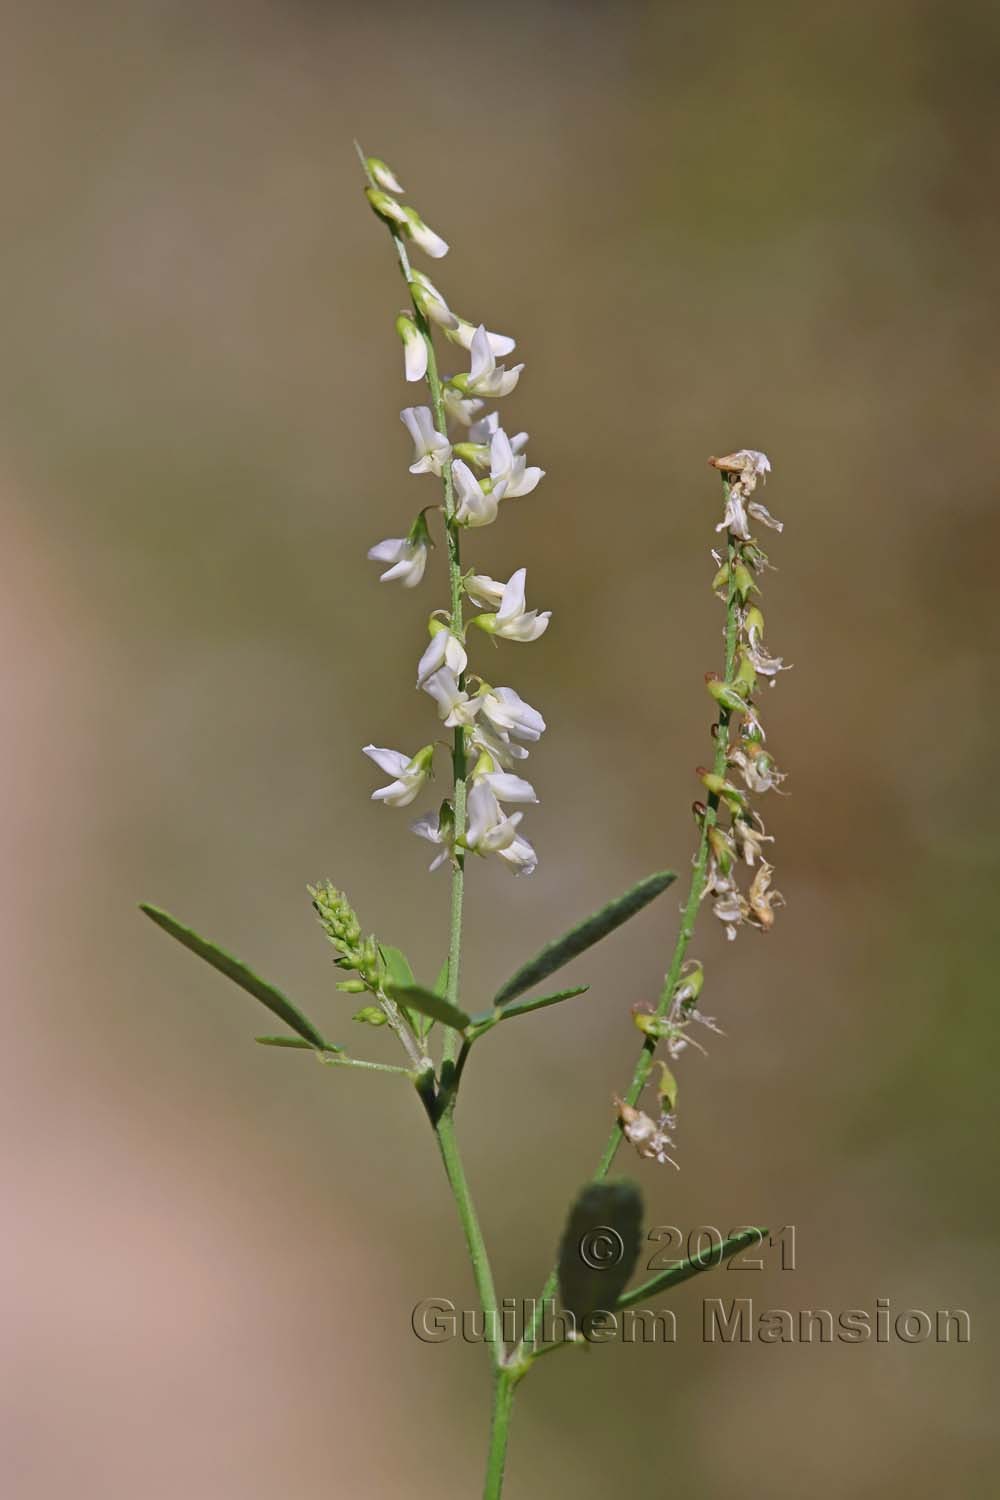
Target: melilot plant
pixel 475 470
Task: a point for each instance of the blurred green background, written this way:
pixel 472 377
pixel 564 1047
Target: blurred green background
pixel 709 226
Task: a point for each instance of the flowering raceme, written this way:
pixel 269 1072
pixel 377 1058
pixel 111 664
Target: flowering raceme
pixel 492 727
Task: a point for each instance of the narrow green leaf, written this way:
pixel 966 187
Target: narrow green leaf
pixel 441 982
pixel 524 1006
pixel 712 1256
pixel 599 1249
pixel 396 964
pixel 584 935
pixel 238 972
pixel 415 997
pixel 294 1041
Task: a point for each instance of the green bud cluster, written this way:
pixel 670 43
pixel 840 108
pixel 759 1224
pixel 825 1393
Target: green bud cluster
pixel 339 921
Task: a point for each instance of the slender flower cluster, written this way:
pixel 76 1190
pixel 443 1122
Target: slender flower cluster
pixel 741 844
pixel 481 469
pixel 730 868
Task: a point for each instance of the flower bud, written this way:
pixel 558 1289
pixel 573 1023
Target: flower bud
pixel 387 208
pixel 352 987
pixel 383 174
pixel 371 1015
pixel 430 243
pixel 414 347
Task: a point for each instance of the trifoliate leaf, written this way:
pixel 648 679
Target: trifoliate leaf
pixel 583 936
pixel 599 1247
pixel 238 972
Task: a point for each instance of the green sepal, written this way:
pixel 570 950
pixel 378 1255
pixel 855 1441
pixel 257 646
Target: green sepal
pixel 276 1002
pixel 415 997
pixel 604 1227
pixel 583 936
pixel 667 1088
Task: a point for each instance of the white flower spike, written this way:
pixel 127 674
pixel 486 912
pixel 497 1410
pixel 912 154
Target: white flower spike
pixel 474 507
pixel 431 449
pixel 409 774
pixel 407 559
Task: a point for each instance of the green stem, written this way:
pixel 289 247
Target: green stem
pixel 503 1399
pixel 685 932
pixel 444 1129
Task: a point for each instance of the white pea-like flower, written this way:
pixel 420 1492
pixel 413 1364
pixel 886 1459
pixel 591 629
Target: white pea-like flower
pixel 431 449
pixel 520 855
pixel 454 704
pixel 484 590
pixel 443 650
pixel 409 772
pixel 473 505
pixel 434 305
pixel 429 827
pixel 461 409
pixel 507 714
pixel 483 430
pixel 486 377
pixel 512 620
pixel 490 831
pixel 462 332
pixel 407 560
pixel 507 787
pixel 504 752
pixel 414 348
pixel 509 468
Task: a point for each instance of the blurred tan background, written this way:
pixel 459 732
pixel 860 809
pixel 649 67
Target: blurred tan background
pixel 709 226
